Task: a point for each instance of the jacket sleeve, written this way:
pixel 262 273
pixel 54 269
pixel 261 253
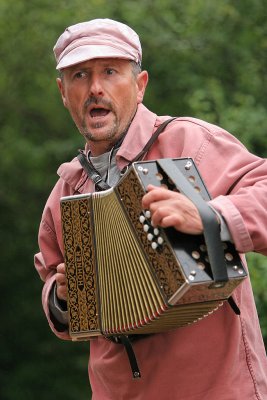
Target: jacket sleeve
pixel 48 258
pixel 238 182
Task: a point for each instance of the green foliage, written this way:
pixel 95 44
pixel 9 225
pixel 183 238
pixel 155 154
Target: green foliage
pixel 206 59
pixel 257 267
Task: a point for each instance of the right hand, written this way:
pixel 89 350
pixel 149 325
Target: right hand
pixel 61 282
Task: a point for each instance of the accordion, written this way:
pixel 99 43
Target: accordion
pixel 127 277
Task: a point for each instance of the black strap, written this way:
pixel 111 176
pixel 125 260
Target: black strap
pixel 131 356
pixel 152 139
pixel 209 220
pixel 234 306
pixel 93 174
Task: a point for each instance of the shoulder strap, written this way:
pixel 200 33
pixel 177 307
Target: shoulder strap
pixel 152 139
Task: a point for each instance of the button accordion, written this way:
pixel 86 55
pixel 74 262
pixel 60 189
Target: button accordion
pixel 127 277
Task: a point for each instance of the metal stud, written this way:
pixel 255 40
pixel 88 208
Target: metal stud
pixel 188 165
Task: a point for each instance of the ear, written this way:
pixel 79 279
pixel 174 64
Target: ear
pixel 62 91
pixel 141 80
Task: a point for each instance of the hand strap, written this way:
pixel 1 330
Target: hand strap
pixel 209 220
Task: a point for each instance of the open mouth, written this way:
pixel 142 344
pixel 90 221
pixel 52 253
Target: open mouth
pixel 99 112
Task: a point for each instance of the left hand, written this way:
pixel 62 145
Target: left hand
pixel 61 282
pixel 169 208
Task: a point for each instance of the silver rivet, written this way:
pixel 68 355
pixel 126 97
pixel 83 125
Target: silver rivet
pixel 188 165
pixel 218 285
pixel 145 171
pixel 229 256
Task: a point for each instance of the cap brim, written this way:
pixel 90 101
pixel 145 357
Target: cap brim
pixel 89 52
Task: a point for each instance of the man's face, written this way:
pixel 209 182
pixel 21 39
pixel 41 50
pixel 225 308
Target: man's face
pixel 102 96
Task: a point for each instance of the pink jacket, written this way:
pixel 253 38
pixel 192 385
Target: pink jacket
pixel 222 357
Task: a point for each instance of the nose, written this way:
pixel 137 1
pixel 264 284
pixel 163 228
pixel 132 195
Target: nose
pixel 96 88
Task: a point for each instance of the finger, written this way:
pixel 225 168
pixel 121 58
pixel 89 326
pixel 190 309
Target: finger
pixel 164 216
pixel 61 268
pixel 157 194
pixel 62 292
pixel 60 279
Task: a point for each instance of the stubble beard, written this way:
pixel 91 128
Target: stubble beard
pixel 90 135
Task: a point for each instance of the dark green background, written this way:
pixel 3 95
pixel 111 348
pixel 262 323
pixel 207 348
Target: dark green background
pixel 206 59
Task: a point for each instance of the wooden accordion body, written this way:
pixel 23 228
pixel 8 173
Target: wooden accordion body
pixel 127 277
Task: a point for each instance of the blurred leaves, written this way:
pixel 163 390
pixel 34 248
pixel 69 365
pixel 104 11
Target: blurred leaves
pixel 205 59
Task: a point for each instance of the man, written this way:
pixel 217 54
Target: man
pixel 221 357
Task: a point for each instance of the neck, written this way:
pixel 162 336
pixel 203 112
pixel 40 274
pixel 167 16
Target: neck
pixel 98 148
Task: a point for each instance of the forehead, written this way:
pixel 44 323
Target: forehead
pixel 98 63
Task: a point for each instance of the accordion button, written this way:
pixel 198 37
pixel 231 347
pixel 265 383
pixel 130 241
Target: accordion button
pixel 146 228
pixel 156 231
pixel 150 237
pixel 148 214
pixel 154 245
pixel 160 240
pixel 142 219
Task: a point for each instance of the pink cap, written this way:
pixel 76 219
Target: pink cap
pixel 99 38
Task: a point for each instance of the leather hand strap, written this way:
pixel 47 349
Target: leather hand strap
pixel 209 220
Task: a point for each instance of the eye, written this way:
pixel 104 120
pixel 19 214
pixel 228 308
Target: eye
pixel 110 71
pixel 80 75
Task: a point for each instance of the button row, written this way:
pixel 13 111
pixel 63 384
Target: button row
pixel 153 233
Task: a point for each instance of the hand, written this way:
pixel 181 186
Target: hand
pixel 169 208
pixel 61 282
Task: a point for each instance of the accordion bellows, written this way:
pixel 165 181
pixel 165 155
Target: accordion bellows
pixel 126 276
